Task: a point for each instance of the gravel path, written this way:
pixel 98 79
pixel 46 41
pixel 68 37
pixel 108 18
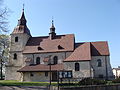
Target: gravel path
pixel 23 88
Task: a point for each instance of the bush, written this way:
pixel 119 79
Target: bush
pixel 68 84
pixel 116 80
pixel 89 81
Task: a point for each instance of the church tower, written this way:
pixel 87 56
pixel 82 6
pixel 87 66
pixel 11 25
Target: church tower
pixel 19 38
pixel 20 34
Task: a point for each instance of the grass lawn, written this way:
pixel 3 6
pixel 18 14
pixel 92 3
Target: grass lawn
pixel 18 83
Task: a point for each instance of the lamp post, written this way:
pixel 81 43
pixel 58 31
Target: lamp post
pixel 58 79
pixel 50 68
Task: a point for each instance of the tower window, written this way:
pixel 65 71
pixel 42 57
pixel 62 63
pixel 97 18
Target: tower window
pixel 16 39
pixel 15 56
pixel 38 60
pixel 55 60
pixel 99 63
pixel 77 67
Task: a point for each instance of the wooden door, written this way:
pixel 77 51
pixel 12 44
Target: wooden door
pixel 54 76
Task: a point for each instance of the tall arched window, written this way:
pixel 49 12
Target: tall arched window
pixel 77 67
pixel 99 63
pixel 38 60
pixel 16 39
pixel 15 56
pixel 55 60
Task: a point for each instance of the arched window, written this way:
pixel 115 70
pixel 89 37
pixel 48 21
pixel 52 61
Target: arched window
pixel 55 60
pixel 38 60
pixel 99 63
pixel 77 67
pixel 15 56
pixel 16 39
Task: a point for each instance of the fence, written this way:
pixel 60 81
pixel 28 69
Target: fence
pixel 76 80
pixel 93 87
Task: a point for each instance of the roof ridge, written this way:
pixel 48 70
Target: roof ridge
pixel 90 42
pixel 56 35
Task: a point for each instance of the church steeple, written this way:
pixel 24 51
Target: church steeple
pixel 22 20
pixel 52 33
pixel 22 26
pixel 52 27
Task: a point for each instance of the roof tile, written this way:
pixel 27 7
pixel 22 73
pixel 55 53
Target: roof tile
pixel 66 41
pixel 99 48
pixel 41 67
pixel 82 52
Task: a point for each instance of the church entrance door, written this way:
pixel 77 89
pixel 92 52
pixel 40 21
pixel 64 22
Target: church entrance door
pixel 54 76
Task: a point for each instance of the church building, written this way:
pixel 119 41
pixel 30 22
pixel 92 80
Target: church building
pixel 55 56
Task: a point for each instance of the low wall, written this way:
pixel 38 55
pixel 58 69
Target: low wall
pixel 95 87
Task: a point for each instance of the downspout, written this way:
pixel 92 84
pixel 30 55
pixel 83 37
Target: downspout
pixel 90 70
pixel 106 68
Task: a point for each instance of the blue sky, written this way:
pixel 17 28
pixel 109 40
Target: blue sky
pixel 89 20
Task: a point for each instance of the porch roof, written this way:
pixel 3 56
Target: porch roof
pixel 41 67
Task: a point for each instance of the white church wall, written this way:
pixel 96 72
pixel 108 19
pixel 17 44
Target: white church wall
pixel 15 64
pixel 12 74
pixel 61 56
pixel 84 68
pixel 37 77
pixel 22 40
pixel 105 68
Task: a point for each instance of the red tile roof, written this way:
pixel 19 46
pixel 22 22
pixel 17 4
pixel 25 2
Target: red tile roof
pixel 41 67
pixel 47 45
pixel 82 52
pixel 99 48
pixel 21 29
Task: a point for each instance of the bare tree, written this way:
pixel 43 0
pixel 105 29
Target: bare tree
pixel 4 39
pixel 4 52
pixel 3 18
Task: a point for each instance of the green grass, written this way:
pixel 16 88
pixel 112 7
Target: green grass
pixel 18 83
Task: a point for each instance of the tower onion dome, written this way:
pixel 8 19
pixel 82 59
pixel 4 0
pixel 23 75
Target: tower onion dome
pixel 52 27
